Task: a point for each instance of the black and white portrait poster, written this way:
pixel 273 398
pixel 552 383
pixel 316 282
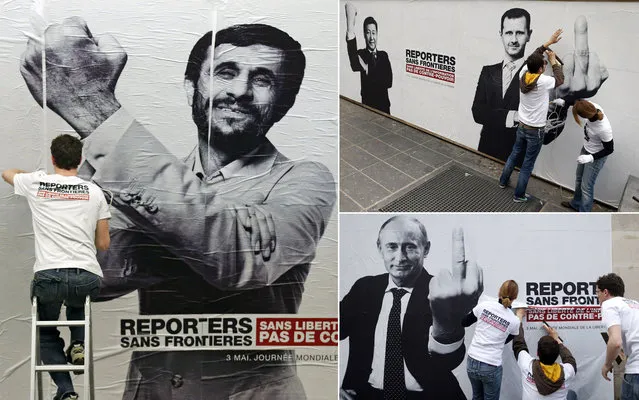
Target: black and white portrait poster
pixel 218 154
pixel 452 262
pixel 456 66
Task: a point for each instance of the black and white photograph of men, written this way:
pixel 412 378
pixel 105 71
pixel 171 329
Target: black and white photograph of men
pixel 497 94
pixel 404 326
pixel 373 65
pixel 404 284
pixel 233 228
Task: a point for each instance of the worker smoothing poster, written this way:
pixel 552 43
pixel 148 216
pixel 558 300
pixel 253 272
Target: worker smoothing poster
pixel 422 277
pixel 453 68
pixel 211 127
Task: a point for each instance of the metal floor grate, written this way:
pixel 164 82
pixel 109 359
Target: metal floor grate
pixel 460 189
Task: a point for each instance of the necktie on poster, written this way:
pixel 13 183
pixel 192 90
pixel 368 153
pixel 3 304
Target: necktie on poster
pixel 509 69
pixel 394 380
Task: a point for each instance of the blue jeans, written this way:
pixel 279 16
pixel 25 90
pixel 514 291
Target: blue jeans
pixel 630 387
pixel 586 177
pixel 485 379
pixel 532 140
pixel 52 287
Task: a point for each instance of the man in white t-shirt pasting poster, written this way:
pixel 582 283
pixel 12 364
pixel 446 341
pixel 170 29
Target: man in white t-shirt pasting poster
pixel 598 145
pixel 534 101
pixel 70 221
pixel 621 317
pixel 542 377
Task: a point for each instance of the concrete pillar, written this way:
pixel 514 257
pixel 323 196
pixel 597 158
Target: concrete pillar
pixel 625 263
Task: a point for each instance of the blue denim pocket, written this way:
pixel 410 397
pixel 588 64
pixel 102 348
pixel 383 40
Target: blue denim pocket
pixel 630 387
pixel 47 287
pixel 81 285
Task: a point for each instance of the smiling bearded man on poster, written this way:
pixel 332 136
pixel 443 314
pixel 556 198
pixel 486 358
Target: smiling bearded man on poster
pixel 230 230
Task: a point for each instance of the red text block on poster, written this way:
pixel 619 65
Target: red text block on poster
pixel 297 332
pixel 564 314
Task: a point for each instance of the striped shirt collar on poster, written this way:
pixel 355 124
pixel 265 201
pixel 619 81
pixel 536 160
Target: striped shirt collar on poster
pixel 518 64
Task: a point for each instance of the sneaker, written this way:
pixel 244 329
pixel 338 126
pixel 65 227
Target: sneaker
pixel 502 186
pixel 568 205
pixel 523 199
pixel 75 355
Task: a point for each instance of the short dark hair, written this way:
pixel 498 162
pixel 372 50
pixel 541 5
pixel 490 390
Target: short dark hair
pixel 368 21
pixel 421 227
pixel 66 151
pixel 613 283
pixel 547 350
pixel 250 34
pixel 534 62
pixel 515 13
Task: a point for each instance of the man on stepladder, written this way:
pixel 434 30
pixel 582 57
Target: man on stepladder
pixel 70 220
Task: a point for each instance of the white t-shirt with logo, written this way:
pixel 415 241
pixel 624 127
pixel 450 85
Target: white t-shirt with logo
pixel 494 323
pixel 533 106
pixel 65 211
pixel 597 132
pixel 624 312
pixel 529 388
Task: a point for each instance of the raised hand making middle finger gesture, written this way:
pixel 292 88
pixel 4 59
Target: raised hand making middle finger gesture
pixel 453 293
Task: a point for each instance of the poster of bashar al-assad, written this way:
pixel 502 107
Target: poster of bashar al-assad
pixel 496 101
pixel 227 211
pixel 429 303
pixel 373 65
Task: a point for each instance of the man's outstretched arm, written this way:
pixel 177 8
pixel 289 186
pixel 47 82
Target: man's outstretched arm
pixel 206 228
pixel 9 174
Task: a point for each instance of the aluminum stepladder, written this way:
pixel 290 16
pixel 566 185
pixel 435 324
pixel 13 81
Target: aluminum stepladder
pixel 37 368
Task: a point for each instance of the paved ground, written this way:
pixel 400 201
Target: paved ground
pixel 381 158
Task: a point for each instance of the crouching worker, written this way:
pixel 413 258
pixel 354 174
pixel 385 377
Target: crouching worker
pixel 542 377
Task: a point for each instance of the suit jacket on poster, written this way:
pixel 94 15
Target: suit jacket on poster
pixel 490 108
pixel 175 239
pixel 359 312
pixel 379 79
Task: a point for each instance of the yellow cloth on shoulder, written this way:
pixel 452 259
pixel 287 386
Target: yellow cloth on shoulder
pixel 552 372
pixel 530 78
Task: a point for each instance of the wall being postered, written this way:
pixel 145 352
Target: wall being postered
pixel 437 51
pixel 158 37
pixel 555 260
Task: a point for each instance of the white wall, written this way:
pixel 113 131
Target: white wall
pixel 469 30
pixel 526 248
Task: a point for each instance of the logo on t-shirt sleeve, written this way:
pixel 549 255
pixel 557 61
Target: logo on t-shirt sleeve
pixel 632 304
pixel 52 190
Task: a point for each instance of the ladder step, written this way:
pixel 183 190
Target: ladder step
pixel 59 368
pixel 60 323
